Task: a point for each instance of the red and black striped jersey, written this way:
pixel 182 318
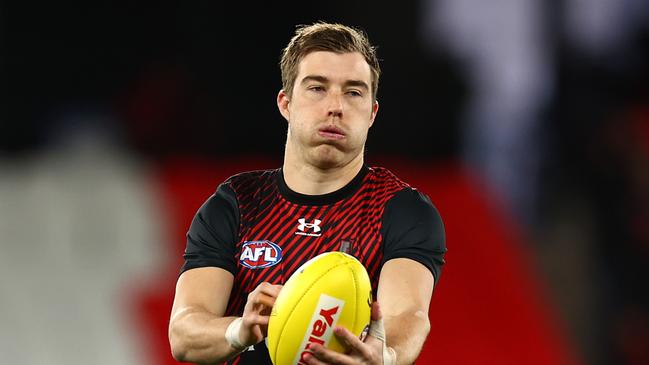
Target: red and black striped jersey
pixel 260 230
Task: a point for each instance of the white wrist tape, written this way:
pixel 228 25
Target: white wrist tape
pixel 377 330
pixel 232 334
pixel 389 355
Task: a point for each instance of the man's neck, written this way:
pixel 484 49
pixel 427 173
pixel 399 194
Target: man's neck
pixel 307 179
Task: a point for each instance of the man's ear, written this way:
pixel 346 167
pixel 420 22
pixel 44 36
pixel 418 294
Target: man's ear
pixel 375 110
pixel 282 104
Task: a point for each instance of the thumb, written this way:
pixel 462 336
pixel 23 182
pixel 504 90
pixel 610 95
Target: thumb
pixel 377 329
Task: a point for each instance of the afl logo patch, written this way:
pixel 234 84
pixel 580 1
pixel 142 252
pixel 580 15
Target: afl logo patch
pixel 260 254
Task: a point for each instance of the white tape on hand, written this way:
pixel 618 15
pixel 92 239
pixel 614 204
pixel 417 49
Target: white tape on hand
pixel 389 356
pixel 377 330
pixel 232 334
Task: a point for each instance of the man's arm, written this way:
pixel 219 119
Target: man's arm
pixel 197 327
pixel 414 248
pixel 404 293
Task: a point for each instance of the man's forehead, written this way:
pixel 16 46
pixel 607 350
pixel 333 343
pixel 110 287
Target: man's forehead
pixel 335 66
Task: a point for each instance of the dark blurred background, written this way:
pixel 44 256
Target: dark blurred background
pixel 542 105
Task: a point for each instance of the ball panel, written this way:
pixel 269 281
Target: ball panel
pixel 331 289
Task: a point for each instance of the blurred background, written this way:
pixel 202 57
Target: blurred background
pixel 525 121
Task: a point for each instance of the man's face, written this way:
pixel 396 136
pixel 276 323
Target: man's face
pixel 331 108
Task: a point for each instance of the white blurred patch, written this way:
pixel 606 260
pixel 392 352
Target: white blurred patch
pixel 79 225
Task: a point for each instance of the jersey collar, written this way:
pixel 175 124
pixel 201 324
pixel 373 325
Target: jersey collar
pixel 324 199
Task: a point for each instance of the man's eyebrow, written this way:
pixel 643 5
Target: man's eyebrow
pixel 357 83
pixel 316 78
pixel 324 80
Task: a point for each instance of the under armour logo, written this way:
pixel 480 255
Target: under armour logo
pixel 315 226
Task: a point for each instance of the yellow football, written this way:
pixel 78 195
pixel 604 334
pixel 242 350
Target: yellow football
pixel 332 289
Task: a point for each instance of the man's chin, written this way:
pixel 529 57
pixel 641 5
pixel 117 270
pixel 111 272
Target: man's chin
pixel 328 157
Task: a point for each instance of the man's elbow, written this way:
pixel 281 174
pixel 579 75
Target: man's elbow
pixel 179 347
pixel 423 316
pixel 189 345
pixel 179 353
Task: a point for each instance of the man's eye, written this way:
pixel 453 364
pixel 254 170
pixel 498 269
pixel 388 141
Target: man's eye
pixel 316 88
pixel 354 93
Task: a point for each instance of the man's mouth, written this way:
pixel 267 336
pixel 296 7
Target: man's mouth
pixel 331 132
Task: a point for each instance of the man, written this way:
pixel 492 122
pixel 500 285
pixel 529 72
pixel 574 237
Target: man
pixel 251 235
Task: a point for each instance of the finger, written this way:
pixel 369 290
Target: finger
pixel 376 312
pixel 256 319
pixel 264 299
pixel 269 289
pixel 377 329
pixel 352 342
pixel 330 356
pixel 309 359
pixel 264 330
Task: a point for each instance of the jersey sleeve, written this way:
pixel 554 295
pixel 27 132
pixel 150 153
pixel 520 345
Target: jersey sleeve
pixel 213 232
pixel 412 228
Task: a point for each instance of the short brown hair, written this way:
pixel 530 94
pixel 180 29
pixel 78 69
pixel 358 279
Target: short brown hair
pixel 330 37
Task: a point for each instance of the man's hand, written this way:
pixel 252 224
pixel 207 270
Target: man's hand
pixel 256 313
pixel 371 351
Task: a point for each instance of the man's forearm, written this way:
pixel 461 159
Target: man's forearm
pixel 199 337
pixel 406 334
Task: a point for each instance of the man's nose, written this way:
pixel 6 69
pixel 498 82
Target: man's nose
pixel 335 106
